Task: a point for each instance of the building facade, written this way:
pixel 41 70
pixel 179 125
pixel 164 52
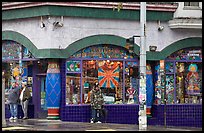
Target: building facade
pixel 62 48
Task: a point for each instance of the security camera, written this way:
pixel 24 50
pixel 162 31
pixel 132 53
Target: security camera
pixel 160 28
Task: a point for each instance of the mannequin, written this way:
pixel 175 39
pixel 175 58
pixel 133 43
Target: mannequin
pixel 131 92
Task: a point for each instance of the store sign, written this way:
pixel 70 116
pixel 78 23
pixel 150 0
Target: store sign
pixel 194 53
pixel 187 54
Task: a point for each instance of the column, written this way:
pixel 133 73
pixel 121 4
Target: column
pixel 53 89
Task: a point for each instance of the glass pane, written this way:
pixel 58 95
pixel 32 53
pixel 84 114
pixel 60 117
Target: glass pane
pixel 180 68
pixel 189 83
pixel 193 82
pixel 169 67
pixel 186 3
pixel 89 77
pixel 109 78
pixel 73 66
pixel 10 50
pixel 191 3
pixel 194 3
pixel 131 82
pixel 170 88
pixel 73 88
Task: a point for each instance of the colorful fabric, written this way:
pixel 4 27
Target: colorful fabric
pixel 108 75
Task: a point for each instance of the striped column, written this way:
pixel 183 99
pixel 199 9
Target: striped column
pixel 53 90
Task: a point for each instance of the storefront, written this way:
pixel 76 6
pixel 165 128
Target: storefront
pixel 183 72
pixel 117 72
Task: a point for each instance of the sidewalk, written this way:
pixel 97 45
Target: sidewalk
pixel 58 125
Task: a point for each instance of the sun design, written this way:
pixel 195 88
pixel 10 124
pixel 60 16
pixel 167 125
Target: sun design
pixel 108 77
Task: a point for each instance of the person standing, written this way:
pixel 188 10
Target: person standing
pixel 24 99
pixel 13 96
pixel 97 101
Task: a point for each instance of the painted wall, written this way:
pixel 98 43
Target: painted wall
pixel 77 28
pixel 182 12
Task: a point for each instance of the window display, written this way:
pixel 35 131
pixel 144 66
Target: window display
pixel 73 88
pixel 131 82
pixel 103 64
pixel 187 75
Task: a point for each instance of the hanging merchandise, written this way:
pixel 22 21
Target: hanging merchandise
pixel 192 78
pixel 86 85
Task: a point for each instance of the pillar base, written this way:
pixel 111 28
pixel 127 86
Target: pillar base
pixel 4 123
pixel 53 117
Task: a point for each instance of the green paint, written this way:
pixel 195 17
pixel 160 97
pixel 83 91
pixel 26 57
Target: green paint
pixel 184 43
pixel 21 39
pixel 95 40
pixel 100 13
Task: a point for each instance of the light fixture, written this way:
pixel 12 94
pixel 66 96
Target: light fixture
pixel 160 28
pixel 59 24
pixel 42 25
pixel 153 48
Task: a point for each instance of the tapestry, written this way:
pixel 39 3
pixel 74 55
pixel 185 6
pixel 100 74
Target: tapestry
pixel 108 74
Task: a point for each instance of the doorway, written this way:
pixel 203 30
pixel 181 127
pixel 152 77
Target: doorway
pixel 42 106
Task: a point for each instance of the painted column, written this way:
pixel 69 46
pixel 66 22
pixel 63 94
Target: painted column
pixel 53 89
pixel 150 89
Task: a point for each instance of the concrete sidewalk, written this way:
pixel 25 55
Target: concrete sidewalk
pixel 58 125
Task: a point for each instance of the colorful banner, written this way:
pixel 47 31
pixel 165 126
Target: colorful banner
pixel 108 75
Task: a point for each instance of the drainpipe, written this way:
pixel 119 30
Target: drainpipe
pixel 142 88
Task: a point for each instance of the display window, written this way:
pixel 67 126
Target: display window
pixel 189 82
pixel 131 82
pixel 112 67
pixel 184 77
pixel 73 88
pixel 17 64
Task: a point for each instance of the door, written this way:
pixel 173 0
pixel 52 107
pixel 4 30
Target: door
pixel 42 113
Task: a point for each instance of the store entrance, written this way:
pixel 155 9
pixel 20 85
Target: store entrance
pixel 42 106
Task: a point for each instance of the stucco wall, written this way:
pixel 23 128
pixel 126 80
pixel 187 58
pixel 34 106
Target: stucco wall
pixel 77 28
pixel 182 12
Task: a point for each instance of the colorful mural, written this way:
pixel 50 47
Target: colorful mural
pixel 104 51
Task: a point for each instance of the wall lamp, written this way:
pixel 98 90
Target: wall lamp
pixel 42 25
pixel 160 28
pixel 59 24
pixel 153 48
